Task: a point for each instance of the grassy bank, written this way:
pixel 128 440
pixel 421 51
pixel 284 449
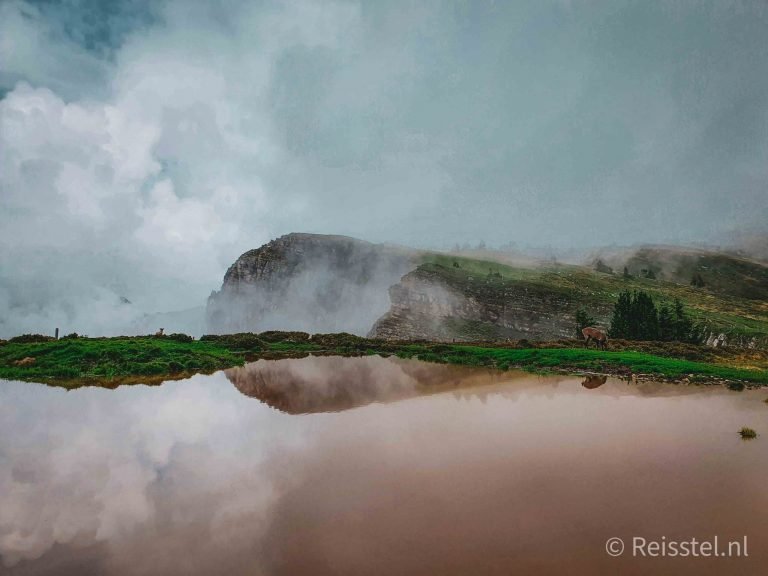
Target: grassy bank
pixel 111 358
pixel 581 360
pixel 113 361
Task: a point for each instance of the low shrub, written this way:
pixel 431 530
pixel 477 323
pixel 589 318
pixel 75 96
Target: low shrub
pixel 151 368
pixel 175 367
pixel 65 372
pixel 31 339
pixel 178 337
pixel 341 340
pixel 241 341
pixel 279 336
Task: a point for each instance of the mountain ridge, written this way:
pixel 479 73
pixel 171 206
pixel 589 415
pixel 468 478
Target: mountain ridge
pixel 332 283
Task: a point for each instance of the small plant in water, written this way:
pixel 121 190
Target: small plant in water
pixel 747 433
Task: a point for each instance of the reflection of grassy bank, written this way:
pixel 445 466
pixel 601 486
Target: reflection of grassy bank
pixel 112 361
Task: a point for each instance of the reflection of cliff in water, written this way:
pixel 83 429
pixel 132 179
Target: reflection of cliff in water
pixel 334 383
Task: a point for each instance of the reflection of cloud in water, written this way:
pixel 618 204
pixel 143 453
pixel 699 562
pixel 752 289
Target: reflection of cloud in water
pixel 95 465
pixel 192 478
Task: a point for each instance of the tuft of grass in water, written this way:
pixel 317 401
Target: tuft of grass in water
pixel 747 433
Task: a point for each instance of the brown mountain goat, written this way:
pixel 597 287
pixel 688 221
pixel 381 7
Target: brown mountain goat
pixel 592 333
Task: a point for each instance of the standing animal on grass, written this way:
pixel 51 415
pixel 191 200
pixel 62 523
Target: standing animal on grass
pixel 592 333
pixel 160 332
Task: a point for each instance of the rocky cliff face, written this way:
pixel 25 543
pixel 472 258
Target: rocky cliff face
pixel 316 283
pixel 308 282
pixel 436 303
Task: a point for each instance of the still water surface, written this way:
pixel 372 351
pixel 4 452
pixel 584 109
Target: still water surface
pixel 377 466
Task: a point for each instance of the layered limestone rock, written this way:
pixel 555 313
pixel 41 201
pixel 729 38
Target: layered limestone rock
pixel 316 283
pixel 435 303
pixel 308 282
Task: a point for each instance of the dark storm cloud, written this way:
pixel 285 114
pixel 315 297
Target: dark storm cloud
pixel 147 144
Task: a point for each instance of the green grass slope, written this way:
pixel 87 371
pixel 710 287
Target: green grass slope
pixel 729 311
pixel 723 274
pixel 112 358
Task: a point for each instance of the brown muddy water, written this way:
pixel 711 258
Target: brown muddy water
pixel 357 466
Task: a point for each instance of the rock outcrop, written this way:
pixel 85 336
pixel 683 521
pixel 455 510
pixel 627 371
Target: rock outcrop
pixel 307 282
pixel 436 303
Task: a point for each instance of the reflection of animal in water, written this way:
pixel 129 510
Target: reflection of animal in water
pixel 159 332
pixel 594 381
pixel 592 333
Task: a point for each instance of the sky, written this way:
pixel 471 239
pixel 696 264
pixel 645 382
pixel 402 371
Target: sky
pixel 144 145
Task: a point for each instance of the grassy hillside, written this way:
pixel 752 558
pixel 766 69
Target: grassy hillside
pixel 723 274
pixel 720 306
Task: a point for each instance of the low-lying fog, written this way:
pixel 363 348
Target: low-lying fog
pixel 515 474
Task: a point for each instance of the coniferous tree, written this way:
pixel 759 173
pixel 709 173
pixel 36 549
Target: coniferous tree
pixel 684 328
pixel 679 322
pixel 666 323
pixel 635 317
pixel 645 321
pixel 621 316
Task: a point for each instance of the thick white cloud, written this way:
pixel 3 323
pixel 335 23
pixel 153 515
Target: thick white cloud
pixel 146 145
pixel 150 192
